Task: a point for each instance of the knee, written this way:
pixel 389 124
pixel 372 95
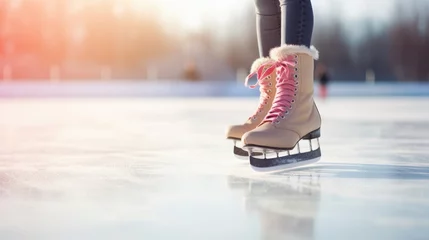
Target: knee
pixel 267 7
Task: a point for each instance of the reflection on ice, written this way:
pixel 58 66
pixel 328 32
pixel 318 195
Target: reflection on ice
pixel 283 209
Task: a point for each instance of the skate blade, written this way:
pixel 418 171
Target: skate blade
pixel 242 154
pixel 284 167
pixel 300 147
pixel 239 152
pixel 275 159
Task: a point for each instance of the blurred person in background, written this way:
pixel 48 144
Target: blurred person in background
pixel 323 76
pixel 286 112
pixel 190 72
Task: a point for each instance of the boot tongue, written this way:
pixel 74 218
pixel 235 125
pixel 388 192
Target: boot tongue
pixel 284 90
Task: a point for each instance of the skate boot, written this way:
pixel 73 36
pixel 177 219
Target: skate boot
pixel 267 82
pixel 293 116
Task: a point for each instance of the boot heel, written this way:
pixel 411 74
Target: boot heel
pixel 314 134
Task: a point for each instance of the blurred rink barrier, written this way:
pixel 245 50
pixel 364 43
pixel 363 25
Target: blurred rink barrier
pixel 176 88
pixel 104 83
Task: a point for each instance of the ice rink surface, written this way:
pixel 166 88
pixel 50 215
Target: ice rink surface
pixel 149 168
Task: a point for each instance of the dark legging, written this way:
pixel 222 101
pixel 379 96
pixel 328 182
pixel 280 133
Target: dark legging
pixel 283 21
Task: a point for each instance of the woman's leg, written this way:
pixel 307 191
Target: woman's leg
pixel 293 117
pixel 269 33
pixel 291 23
pixel 297 22
pixel 268 23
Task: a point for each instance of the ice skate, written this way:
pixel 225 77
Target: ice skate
pixel 288 137
pixel 267 82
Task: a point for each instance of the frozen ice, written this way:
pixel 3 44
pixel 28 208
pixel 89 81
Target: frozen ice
pixel 160 168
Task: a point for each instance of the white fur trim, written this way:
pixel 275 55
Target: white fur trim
pixel 258 62
pixel 282 52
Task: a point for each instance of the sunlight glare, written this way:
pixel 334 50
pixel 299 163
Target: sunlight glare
pixel 192 14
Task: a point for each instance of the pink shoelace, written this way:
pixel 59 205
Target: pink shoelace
pixel 286 86
pixel 265 85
